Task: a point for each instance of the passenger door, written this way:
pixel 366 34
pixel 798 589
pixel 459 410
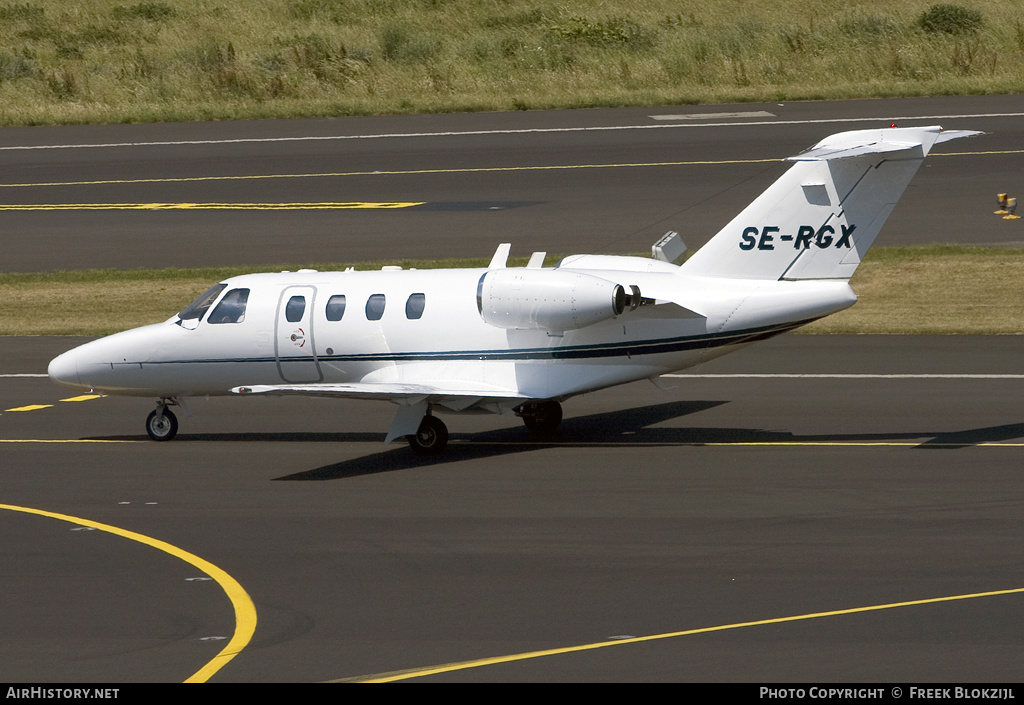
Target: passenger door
pixel 293 340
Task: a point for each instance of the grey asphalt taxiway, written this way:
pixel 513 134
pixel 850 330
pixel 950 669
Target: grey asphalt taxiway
pixel 886 477
pixel 593 181
pixel 812 508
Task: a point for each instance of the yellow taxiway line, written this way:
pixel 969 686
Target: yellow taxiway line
pixel 465 170
pixel 245 610
pixel 926 441
pixel 63 440
pixel 354 205
pixel 405 172
pixel 463 665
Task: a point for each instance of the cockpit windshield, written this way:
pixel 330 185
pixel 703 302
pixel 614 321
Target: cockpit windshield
pixel 196 309
pixel 231 308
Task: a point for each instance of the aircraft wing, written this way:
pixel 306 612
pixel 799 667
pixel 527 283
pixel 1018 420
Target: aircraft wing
pixel 399 392
pixel 413 399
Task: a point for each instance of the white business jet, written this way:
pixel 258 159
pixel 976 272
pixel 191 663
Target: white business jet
pixel 522 339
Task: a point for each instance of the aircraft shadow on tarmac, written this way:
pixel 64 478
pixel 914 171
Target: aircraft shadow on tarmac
pixel 632 427
pixel 624 427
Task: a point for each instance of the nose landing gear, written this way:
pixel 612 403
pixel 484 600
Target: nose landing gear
pixel 161 424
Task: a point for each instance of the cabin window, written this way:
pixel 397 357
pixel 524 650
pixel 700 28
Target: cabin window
pixel 414 306
pixel 196 309
pixel 294 309
pixel 231 308
pixel 336 307
pixel 375 307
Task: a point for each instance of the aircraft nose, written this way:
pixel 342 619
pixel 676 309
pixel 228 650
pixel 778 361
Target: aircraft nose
pixel 63 370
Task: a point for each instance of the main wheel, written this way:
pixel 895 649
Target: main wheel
pixel 543 417
pixel 431 438
pixel 161 425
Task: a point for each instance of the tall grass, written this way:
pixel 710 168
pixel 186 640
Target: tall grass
pixel 116 60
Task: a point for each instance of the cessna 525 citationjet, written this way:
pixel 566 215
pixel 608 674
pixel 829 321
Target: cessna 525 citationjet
pixel 521 339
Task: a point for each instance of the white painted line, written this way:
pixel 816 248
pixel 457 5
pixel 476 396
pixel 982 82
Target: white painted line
pixel 844 376
pixel 538 130
pixel 714 116
pixel 25 375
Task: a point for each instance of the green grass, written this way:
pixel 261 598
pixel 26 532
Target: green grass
pixel 937 289
pixel 119 61
pixel 940 289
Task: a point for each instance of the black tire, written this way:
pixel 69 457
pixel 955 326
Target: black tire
pixel 543 417
pixel 431 438
pixel 161 425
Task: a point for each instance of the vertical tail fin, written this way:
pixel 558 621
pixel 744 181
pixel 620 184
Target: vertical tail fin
pixel 819 219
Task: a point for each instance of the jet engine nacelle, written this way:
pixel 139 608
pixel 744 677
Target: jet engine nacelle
pixel 549 299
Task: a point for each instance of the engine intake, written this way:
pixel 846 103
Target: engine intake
pixel 549 299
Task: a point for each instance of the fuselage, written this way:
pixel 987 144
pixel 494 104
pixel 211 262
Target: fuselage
pixel 427 327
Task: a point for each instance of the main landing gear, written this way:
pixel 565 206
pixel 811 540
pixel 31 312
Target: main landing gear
pixel 431 438
pixel 542 417
pixel 162 425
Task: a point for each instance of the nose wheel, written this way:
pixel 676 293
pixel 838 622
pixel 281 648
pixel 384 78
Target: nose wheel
pixel 161 425
pixel 431 438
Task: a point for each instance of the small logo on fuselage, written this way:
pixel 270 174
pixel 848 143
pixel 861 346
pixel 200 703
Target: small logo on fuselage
pixel 806 236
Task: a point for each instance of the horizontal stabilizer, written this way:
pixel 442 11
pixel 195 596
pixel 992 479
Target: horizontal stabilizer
pixel 947 135
pixel 861 142
pixel 820 154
